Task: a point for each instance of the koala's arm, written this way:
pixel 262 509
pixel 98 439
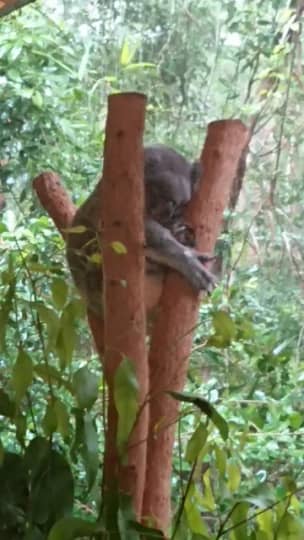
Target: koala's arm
pixel 163 248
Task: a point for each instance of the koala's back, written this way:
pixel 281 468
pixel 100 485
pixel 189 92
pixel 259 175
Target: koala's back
pixel 169 183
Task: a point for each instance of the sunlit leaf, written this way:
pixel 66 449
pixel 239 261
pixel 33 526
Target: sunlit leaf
pixel 37 99
pixel 77 229
pixel 234 476
pixel 225 330
pixel 208 499
pixel 127 53
pixel 119 248
pixel 238 517
pixel 290 528
pixel 196 443
pixel 265 523
pixel 220 459
pixel 95 258
pixel 194 514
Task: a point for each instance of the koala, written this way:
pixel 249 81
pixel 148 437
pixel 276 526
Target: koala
pixel 170 181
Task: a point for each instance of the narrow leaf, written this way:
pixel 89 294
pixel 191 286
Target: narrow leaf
pixel 206 408
pixel 126 392
pixel 22 376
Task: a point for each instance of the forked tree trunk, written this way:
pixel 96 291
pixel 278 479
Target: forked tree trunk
pixel 125 323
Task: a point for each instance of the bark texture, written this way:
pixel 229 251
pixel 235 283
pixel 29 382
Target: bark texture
pixel 122 210
pixel 172 333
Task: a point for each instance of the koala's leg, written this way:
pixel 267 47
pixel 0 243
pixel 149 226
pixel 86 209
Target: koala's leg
pixel 163 248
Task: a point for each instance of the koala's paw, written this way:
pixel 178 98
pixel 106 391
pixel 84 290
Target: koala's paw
pixel 199 276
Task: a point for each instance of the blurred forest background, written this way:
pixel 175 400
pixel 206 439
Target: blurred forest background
pixel 197 61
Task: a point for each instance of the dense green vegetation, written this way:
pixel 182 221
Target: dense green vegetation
pixel 197 61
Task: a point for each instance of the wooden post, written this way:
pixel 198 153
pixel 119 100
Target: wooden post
pixel 172 334
pixel 123 273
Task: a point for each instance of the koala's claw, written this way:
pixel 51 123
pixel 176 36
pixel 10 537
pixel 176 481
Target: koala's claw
pixel 199 276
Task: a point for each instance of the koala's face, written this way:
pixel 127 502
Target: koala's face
pixel 170 181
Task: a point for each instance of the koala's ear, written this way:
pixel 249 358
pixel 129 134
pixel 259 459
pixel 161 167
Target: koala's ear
pixel 195 174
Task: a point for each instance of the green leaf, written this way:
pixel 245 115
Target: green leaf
pixel 239 514
pixel 50 375
pixel 208 499
pixel 140 65
pixel 148 532
pixel 234 476
pixel 22 376
pixel 52 487
pixel 69 528
pixel 77 229
pixel 90 452
pixel 7 406
pixel 14 53
pixel 62 416
pixel 84 62
pixel 37 99
pixel 21 427
pixel 290 528
pixel 59 290
pixel 6 306
pixel 2 453
pixel 86 443
pixel 225 330
pixel 265 523
pixel 127 53
pixel 206 408
pixel 95 258
pixel 125 516
pixel 85 384
pixel 66 338
pixel 220 460
pixel 126 392
pixel 193 514
pixel 51 319
pixel 196 443
pixel 119 248
pixel 49 422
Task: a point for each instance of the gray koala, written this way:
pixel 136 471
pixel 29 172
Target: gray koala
pixel 170 181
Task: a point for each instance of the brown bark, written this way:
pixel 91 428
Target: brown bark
pixel 172 335
pixel 54 199
pixel 124 297
pixel 7 6
pixel 60 208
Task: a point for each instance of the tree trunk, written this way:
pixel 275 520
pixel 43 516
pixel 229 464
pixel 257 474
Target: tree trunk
pixel 172 335
pixel 122 211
